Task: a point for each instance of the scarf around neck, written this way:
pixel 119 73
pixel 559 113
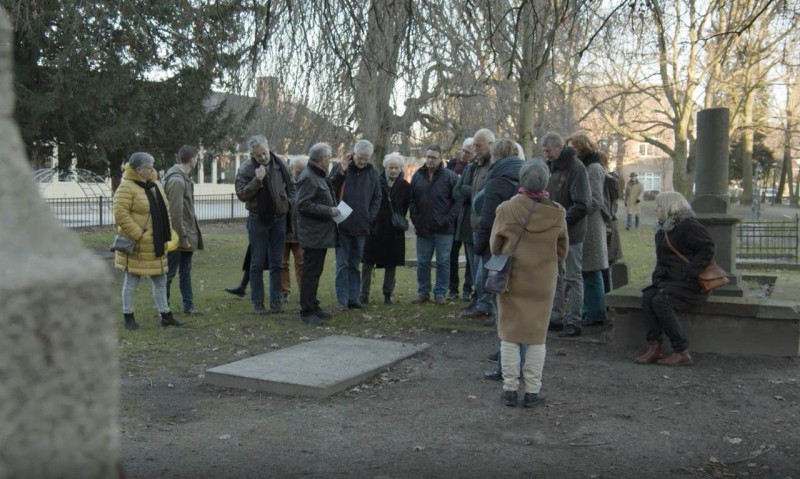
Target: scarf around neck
pixel 158 211
pixel 530 194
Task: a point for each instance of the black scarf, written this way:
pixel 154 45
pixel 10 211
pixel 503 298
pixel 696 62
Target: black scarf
pixel 158 211
pixel 265 202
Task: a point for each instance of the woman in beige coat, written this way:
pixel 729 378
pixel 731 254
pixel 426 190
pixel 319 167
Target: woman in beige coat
pixel 633 196
pixel 524 311
pixel 141 213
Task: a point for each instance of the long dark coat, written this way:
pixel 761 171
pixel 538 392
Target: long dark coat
pixel 674 276
pixel 387 245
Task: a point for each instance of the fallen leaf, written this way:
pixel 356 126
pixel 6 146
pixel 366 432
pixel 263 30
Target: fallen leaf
pixel 225 437
pixel 733 440
pixel 713 460
pixel 418 448
pixel 665 433
pixel 472 397
pixel 780 398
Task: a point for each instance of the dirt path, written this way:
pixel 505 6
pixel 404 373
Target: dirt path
pixel 435 416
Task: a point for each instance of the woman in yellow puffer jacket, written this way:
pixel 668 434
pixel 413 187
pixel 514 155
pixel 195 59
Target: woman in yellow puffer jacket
pixel 141 213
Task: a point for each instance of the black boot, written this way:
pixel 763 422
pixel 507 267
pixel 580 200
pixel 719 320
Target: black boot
pixel 168 320
pixel 387 299
pixel 130 321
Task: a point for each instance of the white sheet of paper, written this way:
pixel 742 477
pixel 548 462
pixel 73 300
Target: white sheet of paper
pixel 344 212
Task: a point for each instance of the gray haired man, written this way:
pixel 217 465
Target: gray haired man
pixel 265 186
pixel 569 187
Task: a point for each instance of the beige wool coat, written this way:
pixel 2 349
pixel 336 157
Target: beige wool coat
pixel 524 311
pixel 633 194
pixel 132 216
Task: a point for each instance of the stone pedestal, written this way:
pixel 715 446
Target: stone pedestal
pixel 711 199
pixel 59 380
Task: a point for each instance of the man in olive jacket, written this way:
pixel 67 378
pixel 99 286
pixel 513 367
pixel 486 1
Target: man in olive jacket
pixel 569 187
pixel 316 229
pixel 265 186
pixel 180 195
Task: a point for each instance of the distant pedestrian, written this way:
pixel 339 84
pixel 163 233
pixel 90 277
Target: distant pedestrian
pixel 386 247
pixel 316 229
pixel 356 182
pixel 675 287
pixel 180 194
pixel 433 212
pixel 458 165
pixel 633 196
pixel 264 184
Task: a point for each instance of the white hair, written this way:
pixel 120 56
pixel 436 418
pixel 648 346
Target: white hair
pixel 319 151
pixel 552 139
pixel 467 145
pixel 363 146
pixel 520 151
pixel 394 156
pixel 486 134
pixel 257 140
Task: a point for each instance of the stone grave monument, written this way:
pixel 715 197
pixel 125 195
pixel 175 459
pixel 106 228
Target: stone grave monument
pixel 59 381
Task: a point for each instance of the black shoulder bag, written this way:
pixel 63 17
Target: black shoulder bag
pixel 399 222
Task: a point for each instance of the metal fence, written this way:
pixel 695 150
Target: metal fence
pixel 768 240
pixel 86 212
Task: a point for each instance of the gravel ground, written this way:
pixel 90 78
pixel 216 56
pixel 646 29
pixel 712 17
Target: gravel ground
pixel 434 415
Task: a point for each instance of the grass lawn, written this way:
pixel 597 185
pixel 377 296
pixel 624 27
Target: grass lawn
pixel 228 330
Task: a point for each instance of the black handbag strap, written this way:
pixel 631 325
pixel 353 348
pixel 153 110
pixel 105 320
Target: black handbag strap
pixel 527 220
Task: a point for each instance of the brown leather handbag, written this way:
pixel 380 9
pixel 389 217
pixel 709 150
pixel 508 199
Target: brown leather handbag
pixel 710 278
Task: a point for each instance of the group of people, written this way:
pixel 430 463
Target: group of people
pixel 555 217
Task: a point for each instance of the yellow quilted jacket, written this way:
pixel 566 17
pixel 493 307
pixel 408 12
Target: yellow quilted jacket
pixel 131 214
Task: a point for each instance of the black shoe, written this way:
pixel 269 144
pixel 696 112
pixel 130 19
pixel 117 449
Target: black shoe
pixel 475 313
pixel 237 291
pixel 355 305
pixel 130 321
pixel 276 308
pixel 284 297
pixel 259 309
pixel 313 320
pixel 494 357
pixel 467 296
pixel 453 296
pixel 387 299
pixel 510 398
pixel 322 314
pixel 168 320
pixel 493 375
pixel 192 311
pixel 555 326
pixel 531 399
pixel 570 331
pixel 363 299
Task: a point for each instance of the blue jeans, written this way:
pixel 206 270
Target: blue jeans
pixel 628 221
pixel 441 244
pixel 484 300
pixel 181 260
pixel 266 248
pixel 569 272
pixel 594 297
pixel 348 276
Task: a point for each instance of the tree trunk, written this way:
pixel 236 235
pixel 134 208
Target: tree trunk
pixel 681 177
pixel 747 153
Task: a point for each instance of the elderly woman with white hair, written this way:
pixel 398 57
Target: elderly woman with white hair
pixel 533 230
pixel 683 250
pixel 141 213
pixel 386 246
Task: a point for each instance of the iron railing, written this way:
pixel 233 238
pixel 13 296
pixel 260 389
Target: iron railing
pixel 86 212
pixel 768 240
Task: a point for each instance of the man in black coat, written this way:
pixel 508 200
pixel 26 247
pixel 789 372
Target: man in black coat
pixel 316 229
pixel 569 187
pixel 458 166
pixel 433 212
pixel 357 183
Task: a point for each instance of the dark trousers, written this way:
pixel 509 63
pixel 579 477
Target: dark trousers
pixel 180 262
pixel 456 249
pixel 313 262
pixel 266 248
pixel 366 279
pixel 661 316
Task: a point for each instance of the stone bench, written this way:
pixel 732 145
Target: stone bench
pixel 722 325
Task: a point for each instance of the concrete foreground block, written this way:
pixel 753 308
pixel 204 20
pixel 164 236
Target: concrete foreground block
pixel 316 368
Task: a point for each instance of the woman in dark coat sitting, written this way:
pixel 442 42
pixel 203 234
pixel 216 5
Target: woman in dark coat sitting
pixel 386 246
pixel 675 287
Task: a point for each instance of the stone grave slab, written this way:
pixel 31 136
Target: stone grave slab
pixel 316 368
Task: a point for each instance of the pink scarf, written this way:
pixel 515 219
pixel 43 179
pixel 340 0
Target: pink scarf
pixel 530 194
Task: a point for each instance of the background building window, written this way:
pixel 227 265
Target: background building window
pixel 646 149
pixel 650 181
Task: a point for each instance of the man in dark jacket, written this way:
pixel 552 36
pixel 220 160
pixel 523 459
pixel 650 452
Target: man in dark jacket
pixel 433 212
pixel 265 186
pixel 180 194
pixel 357 183
pixel 316 229
pixel 458 166
pixel 470 183
pixel 569 187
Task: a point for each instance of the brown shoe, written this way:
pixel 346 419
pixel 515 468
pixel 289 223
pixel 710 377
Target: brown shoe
pixel 652 355
pixel 677 359
pixel 420 300
pixel 440 301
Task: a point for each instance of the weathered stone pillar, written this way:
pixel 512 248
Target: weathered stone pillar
pixel 237 160
pixel 711 192
pixel 214 171
pixel 59 379
pixel 201 173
